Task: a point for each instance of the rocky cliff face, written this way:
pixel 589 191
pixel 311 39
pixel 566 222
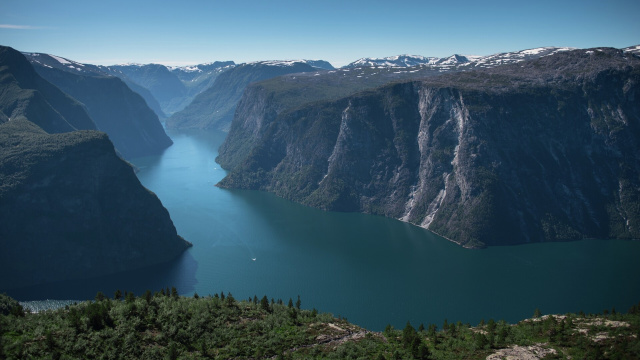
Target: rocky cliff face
pixel 538 151
pixel 71 208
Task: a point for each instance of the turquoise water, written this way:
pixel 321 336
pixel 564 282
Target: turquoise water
pixel 369 269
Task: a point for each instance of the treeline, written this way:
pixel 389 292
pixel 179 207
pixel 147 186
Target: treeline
pixel 164 325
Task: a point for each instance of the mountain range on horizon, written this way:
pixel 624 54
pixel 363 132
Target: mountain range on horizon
pixel 170 89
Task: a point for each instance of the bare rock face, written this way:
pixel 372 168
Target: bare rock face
pixel 71 208
pixel 543 150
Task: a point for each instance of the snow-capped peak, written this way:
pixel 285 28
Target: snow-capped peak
pixel 393 61
pixel 54 61
pixel 457 61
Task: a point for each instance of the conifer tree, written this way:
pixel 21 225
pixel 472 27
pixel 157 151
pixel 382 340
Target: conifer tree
pixel 264 304
pixel 408 335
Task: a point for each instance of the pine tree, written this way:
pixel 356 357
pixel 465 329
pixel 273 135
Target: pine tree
pixel 432 330
pixel 290 305
pixel 298 303
pixel 480 340
pixel 408 335
pixel 537 313
pixel 129 297
pixel 264 304
pixel 230 299
pixel 117 295
pixel 423 352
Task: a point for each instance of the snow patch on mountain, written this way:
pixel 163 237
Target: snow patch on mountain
pixel 632 49
pixel 61 60
pixel 456 61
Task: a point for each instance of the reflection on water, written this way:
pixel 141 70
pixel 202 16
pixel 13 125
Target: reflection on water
pixel 370 269
pixel 179 273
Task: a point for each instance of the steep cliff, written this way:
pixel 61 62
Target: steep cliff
pixel 124 115
pixel 71 208
pixel 537 151
pixel 24 93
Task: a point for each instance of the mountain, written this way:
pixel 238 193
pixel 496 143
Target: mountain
pixel 173 87
pixel 71 208
pixel 200 76
pixel 393 61
pixel 164 85
pixel 74 67
pixel 25 93
pixel 454 62
pixel 123 114
pixel 290 91
pixel 319 64
pixel 537 150
pixel 214 107
pixel 633 49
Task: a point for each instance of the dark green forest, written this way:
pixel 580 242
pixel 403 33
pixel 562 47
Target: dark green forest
pixel 164 325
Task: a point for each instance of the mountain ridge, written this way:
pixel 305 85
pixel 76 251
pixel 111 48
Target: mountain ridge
pixel 116 109
pixel 70 206
pixel 427 151
pixel 215 107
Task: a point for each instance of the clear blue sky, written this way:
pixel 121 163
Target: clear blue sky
pixel 197 31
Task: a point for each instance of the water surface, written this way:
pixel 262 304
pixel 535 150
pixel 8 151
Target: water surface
pixel 369 269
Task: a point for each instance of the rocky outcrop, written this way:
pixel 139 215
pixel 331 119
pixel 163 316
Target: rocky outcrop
pixel 538 151
pixel 71 208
